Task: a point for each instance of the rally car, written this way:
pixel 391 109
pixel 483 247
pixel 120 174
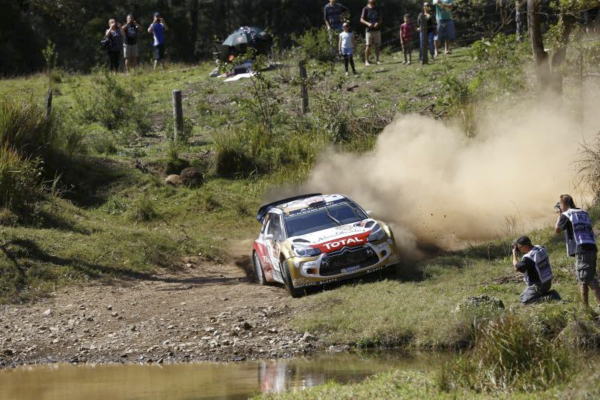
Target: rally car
pixel 315 239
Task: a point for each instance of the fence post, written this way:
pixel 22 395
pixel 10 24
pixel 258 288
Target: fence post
pixel 303 77
pixel 49 103
pixel 424 38
pixel 177 114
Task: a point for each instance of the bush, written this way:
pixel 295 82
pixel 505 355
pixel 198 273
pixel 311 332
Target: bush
pixel 143 210
pixel 316 44
pixel 20 180
pixel 114 105
pixel 25 128
pixel 511 353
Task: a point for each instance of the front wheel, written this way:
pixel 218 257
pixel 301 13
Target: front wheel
pixel 287 278
pixel 258 271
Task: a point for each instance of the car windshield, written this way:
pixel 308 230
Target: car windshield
pixel 320 218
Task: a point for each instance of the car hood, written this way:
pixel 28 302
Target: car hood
pixel 335 239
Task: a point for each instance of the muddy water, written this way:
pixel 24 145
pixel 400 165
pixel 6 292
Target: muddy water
pixel 193 381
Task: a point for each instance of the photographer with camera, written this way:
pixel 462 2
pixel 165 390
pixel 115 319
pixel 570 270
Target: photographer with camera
pixel 535 265
pixel 581 244
pixel 130 46
pixel 158 29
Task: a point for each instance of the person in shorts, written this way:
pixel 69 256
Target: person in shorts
pixel 445 23
pixel 581 244
pixel 158 28
pixel 371 17
pixel 535 266
pixel 130 46
pixel 347 44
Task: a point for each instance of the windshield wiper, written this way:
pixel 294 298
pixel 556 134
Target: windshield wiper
pixel 331 216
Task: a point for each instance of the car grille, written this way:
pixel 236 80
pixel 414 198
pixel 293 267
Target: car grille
pixel 333 263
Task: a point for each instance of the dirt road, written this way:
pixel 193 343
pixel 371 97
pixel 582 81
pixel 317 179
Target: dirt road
pixel 207 312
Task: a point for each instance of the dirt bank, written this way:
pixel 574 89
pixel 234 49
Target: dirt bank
pixel 207 312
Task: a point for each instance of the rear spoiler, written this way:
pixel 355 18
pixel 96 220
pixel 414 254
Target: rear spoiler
pixel 264 209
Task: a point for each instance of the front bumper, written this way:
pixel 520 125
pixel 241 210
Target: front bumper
pixel 346 263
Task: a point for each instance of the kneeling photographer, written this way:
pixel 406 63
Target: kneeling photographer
pixel 535 265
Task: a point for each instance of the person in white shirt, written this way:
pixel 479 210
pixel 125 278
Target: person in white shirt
pixel 347 44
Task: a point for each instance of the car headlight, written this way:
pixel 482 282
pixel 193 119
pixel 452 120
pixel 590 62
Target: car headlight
pixel 377 233
pixel 305 251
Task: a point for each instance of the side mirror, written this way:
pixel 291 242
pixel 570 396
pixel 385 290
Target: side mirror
pixel 268 237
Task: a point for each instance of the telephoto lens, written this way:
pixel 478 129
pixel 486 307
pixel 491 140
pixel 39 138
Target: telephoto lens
pixel 557 207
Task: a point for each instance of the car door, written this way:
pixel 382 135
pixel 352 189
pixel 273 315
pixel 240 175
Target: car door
pixel 273 241
pixel 262 247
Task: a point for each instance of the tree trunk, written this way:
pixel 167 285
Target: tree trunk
pixel 548 72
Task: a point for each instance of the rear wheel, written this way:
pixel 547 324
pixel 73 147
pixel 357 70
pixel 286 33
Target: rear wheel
pixel 258 271
pixel 287 278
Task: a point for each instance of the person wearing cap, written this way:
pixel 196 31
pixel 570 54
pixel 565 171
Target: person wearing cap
pixel 581 244
pixel 158 29
pixel 535 266
pixel 371 17
pixel 347 44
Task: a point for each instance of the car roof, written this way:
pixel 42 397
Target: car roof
pixel 303 203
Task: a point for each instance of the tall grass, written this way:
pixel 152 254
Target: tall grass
pixel 25 128
pixel 19 180
pixel 511 353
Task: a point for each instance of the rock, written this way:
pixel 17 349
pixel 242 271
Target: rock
pixel 114 314
pixel 174 180
pixel 9 352
pixel 246 325
pixel 109 308
pixel 192 177
pixel 307 337
pixel 47 313
pixel 272 330
pixel 483 301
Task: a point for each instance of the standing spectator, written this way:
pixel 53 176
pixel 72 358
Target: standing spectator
pixel 158 29
pixel 371 17
pixel 347 45
pixel 130 46
pixel 115 44
pixel 445 24
pixel 430 27
pixel 581 244
pixel 407 30
pixel 333 15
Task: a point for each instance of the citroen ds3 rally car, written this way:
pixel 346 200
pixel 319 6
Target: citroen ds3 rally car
pixel 316 239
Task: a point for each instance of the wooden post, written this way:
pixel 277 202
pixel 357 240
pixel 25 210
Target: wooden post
pixel 177 114
pixel 424 40
pixel 303 77
pixel 49 103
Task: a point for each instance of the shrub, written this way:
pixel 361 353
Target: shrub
pixel 316 44
pixel 19 180
pixel 143 209
pixel 25 128
pixel 510 353
pixel 114 105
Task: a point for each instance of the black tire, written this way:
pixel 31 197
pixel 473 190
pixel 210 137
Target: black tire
pixel 289 285
pixel 259 274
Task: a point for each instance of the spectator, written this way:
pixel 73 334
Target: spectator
pixel 115 44
pixel 130 46
pixel 407 30
pixel 581 245
pixel 371 17
pixel 333 15
pixel 429 33
pixel 158 29
pixel 535 265
pixel 445 24
pixel 347 45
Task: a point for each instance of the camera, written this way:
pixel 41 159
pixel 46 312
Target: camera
pixel 557 207
pixel 515 246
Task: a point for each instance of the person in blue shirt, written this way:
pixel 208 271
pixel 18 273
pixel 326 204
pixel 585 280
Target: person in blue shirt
pixel 333 15
pixel 445 23
pixel 158 29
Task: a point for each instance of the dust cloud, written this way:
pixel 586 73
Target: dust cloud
pixel 436 186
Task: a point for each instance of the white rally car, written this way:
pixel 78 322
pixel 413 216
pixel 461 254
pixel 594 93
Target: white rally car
pixel 315 239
